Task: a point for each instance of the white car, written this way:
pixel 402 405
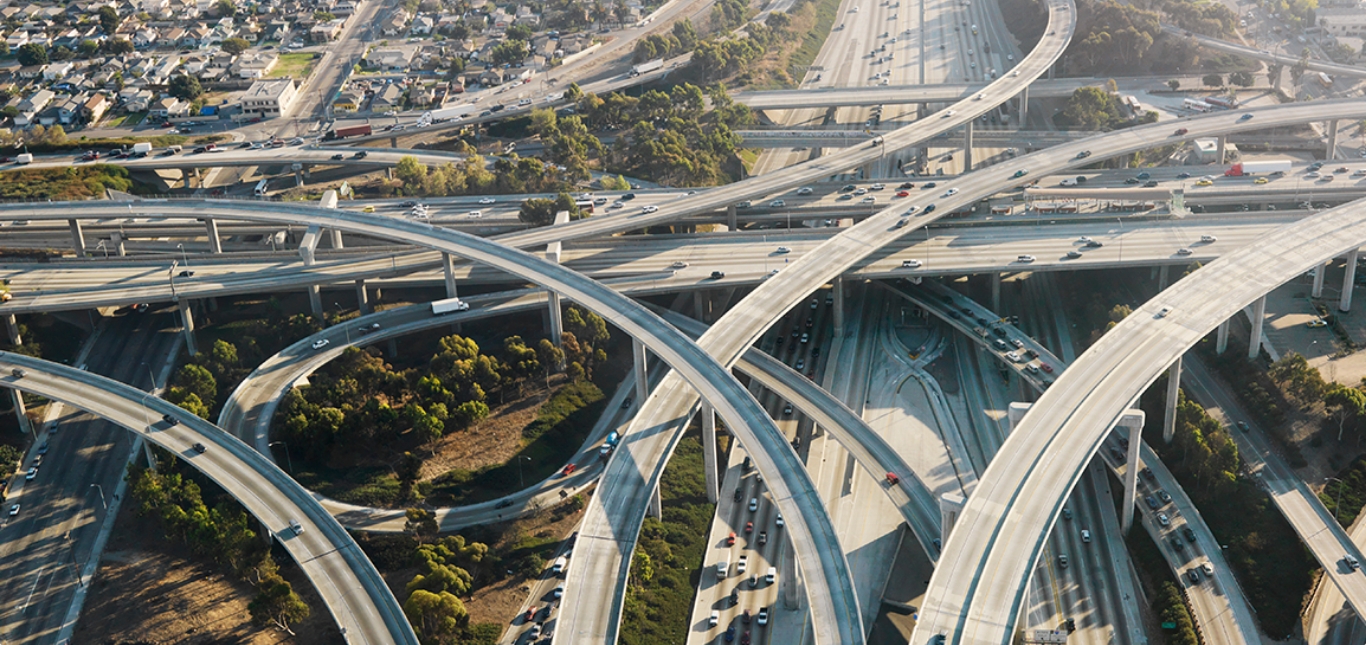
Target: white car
pixel 951 192
pixel 1085 535
pixel 753 504
pixel 784 249
pixel 877 187
pixel 910 264
pixel 618 204
pixel 1208 239
pixel 742 565
pixel 1024 258
pixel 763 616
pixel 777 203
pixel 32 472
pixel 868 200
pixel 475 214
pixel 14 510
pixel 804 190
pixel 780 521
pixel 321 343
pixel 1163 519
pixel 679 265
pixel 487 200
pixel 948 113
pixel 649 209
pixel 714 619
pixel 558 592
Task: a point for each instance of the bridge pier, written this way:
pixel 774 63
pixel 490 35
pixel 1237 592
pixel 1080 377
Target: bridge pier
pixel 1332 126
pixel 147 454
pixel 187 324
pixel 215 242
pixel 1254 345
pixel 20 411
pixel 1163 273
pixel 787 583
pixel 732 218
pixel 1223 148
pixel 1133 420
pixel 709 450
pixel 117 239
pixel 448 269
pixel 1348 281
pixel 1024 105
pixel 656 503
pixel 996 292
pixel 12 327
pixel 950 507
pixel 554 316
pixel 77 238
pixel 336 238
pixel 638 357
pixel 1221 340
pixel 1319 271
pixel 1173 392
pixel 315 303
pixel 698 311
pixel 362 297
pixel 967 147
pixel 838 288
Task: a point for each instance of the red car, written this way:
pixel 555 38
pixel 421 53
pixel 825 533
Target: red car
pixel 1181 132
pixel 530 614
pixel 1046 367
pixel 893 479
pixel 568 470
pixel 730 539
pixel 749 527
pixel 903 193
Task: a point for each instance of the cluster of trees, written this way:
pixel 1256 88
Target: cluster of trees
pixel 473 176
pixel 510 52
pixel 195 387
pixel 672 139
pixel 719 58
pixel 433 605
pixel 1093 108
pixel 70 183
pixel 569 144
pixel 538 211
pixel 1111 37
pixel 1170 606
pixel 221 533
pixel 1209 18
pixel 683 38
pixel 1207 452
pixel 729 14
pixel 358 401
pixel 1346 406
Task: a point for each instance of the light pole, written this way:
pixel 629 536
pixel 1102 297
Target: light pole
pixel 102 246
pixel 288 459
pixel 170 273
pixel 146 419
pixel 101 490
pixel 339 322
pixel 1338 502
pixel 519 469
pixel 184 257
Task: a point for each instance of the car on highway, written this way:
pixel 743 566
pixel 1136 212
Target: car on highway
pixel 753 504
pixel 742 564
pixel 877 187
pixel 801 364
pixel 1260 180
pixel 649 209
pixel 1020 173
pixel 780 522
pixel 1181 131
pixel 950 192
pixel 777 203
pixel 487 200
pixel 1164 496
pixel 1177 543
pixel 717 275
pixel 568 470
pixel 948 113
pixel 1072 255
pixel 1024 259
pixel 1189 533
pixel 1083 154
pixel 1151 502
pixel 359 155
pixel 32 472
pixel 713 620
pixel 1204 182
pixel 1163 519
pixel 1151 183
pixel 1245 116
pixel 558 592
pixel 910 264
pixel 868 200
pixel 730 539
pixel 1317 322
pixel 321 343
pixel 199 448
pixel 1183 251
pixel 338 157
pixel 1086 535
pixel 1208 568
pixel 1062 560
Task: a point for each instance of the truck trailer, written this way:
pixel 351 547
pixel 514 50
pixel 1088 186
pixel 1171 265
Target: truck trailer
pixel 142 147
pixel 1269 167
pixel 448 305
pixel 351 131
pixel 647 67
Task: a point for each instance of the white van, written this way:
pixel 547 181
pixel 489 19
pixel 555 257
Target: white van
pixel 722 568
pixel 772 575
pixel 1070 181
pixel 561 563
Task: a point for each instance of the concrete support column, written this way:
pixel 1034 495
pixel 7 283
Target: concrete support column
pixel 21 411
pixel 1222 150
pixel 996 292
pixel 1254 345
pixel 1133 420
pixel 117 240
pixel 1332 126
pixel 732 218
pixel 709 450
pixel 1319 272
pixel 1348 281
pixel 362 297
pixel 315 303
pixel 147 454
pixel 187 323
pixel 787 577
pixel 1221 340
pixel 1173 392
pixel 393 348
pixel 215 243
pixel 336 238
pixel 967 147
pixel 12 327
pixel 642 377
pixel 77 238
pixel 838 288
pixel 868 170
pixel 449 270
pixel 1163 274
pixel 554 318
pixel 1024 107
pixel 298 178
pixel 656 503
pixel 699 311
pixel 950 507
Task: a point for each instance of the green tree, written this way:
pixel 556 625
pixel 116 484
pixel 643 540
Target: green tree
pixel 1174 84
pixel 435 616
pixel 1346 405
pixel 109 20
pixel 235 46
pixel 87 48
pixel 324 16
pixel 225 8
pixel 62 52
pixel 573 93
pixel 193 404
pixel 421 523
pixel 1273 73
pixel 520 32
pixel 195 379
pixel 410 171
pixel 185 87
pixel 618 182
pixel 509 52
pixel 1240 78
pixel 10 111
pixel 223 353
pixel 32 54
pixel 1212 80
pixel 117 46
pixel 277 604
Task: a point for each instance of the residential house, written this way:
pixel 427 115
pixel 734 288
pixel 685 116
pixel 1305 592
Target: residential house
pixel 344 7
pixel 348 101
pixel 136 100
pixel 18 38
pixel 327 31
pixel 55 71
pixel 69 109
pixel 36 101
pixel 388 99
pixel 389 59
pixel 94 108
pixel 500 21
pixel 395 23
pixel 255 64
pixel 168 108
pixel 145 38
pixel 269 98
pixel 31 72
pixel 422 25
pixel 163 72
pixel 525 16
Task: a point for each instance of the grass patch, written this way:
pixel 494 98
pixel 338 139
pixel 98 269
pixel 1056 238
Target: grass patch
pixel 560 428
pixel 297 65
pixel 133 118
pixel 364 486
pixel 668 560
pixel 1271 564
pixel 70 183
pixel 748 157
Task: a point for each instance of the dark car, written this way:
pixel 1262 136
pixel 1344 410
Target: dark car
pixel 186 274
pixel 1151 183
pixel 360 155
pixel 717 275
pixel 170 420
pixel 928 209
pixel 628 197
pixel 927 185
pixel 199 448
pixel 338 157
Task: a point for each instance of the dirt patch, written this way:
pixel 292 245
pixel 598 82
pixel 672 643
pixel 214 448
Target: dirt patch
pixel 151 590
pixel 492 441
pixel 499 600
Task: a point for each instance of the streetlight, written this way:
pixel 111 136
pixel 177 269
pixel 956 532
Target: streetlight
pixel 101 490
pixel 288 459
pixel 102 246
pixel 184 257
pixel 170 273
pixel 519 469
pixel 1338 502
pixel 339 322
